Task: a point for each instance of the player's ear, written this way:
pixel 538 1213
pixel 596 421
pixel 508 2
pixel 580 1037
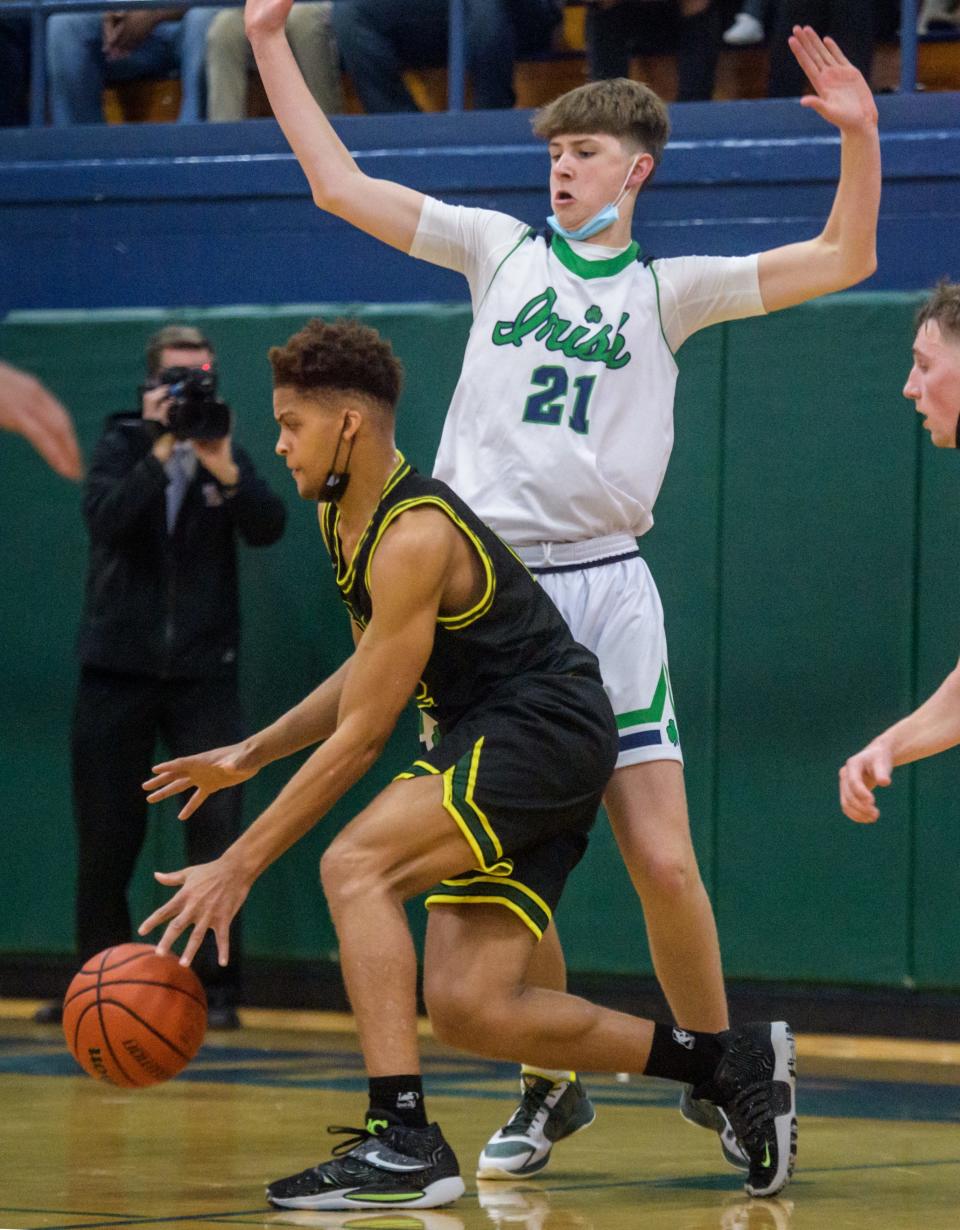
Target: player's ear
pixel 642 170
pixel 352 418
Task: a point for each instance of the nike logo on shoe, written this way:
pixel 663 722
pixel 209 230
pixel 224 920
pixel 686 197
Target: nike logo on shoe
pixel 375 1158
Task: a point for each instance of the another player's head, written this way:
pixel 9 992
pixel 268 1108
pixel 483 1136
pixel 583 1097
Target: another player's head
pixel 934 381
pixel 336 386
pixel 606 140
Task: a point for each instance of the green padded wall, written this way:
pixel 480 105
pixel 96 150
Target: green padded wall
pixel 806 553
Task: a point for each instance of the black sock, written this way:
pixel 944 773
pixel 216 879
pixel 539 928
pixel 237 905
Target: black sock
pixel 402 1096
pixel 680 1055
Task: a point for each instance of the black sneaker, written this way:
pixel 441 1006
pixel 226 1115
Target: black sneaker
pixel 708 1115
pixel 549 1111
pixel 382 1165
pixel 755 1085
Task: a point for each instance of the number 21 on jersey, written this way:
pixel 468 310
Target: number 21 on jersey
pixel 550 404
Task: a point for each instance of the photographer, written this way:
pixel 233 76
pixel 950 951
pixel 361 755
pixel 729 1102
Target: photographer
pixel 167 495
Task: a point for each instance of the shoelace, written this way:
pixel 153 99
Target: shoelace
pixel 531 1102
pixel 357 1135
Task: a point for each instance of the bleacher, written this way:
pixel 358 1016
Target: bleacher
pixel 741 74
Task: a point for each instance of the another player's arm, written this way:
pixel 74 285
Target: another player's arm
pixel 932 728
pixel 408 576
pixel 383 209
pixel 844 253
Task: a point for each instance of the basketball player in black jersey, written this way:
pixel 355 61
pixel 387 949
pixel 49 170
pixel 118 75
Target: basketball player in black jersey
pixel 492 818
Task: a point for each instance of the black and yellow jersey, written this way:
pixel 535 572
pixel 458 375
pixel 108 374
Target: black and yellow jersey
pixel 513 631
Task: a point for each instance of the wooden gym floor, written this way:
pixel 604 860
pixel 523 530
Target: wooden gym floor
pixel 879 1140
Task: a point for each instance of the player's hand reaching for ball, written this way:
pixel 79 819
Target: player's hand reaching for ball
pixel 842 95
pixel 859 777
pixel 207 773
pixel 208 898
pixel 265 16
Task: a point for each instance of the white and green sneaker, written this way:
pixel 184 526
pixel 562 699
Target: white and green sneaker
pixel 549 1111
pixel 704 1114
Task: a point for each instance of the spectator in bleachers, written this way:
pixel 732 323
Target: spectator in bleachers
pixel 618 29
pixel 938 14
pixel 14 68
pixel 230 60
pixel 749 24
pixel 853 23
pixel 86 51
pixel 380 38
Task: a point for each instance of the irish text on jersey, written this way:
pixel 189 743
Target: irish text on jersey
pixel 538 318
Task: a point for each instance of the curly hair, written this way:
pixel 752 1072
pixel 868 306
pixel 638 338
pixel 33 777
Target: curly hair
pixel 943 306
pixel 619 108
pixel 343 355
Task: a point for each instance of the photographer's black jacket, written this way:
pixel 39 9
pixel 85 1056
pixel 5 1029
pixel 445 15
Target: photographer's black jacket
pixel 157 604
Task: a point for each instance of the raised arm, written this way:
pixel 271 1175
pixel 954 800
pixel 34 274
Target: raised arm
pixel 383 209
pixel 31 410
pixel 407 581
pixel 932 728
pixel 844 253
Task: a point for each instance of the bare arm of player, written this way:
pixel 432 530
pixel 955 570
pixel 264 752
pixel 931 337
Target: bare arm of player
pixel 932 728
pixel 29 409
pixel 387 211
pixel 844 253
pixel 408 577
pixel 310 721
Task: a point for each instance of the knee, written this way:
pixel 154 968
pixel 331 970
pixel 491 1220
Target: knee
pixel 669 874
pixel 226 36
pixel 349 871
pixel 65 35
pixel 458 1012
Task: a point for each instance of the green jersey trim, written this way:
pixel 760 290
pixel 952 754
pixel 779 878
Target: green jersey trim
pixel 656 286
pixel 528 234
pixel 607 268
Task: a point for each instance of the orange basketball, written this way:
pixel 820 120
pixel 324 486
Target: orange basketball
pixel 133 1018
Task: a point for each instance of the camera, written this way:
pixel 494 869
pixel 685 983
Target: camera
pixel 195 412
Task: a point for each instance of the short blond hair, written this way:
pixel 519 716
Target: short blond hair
pixel 943 306
pixel 628 110
pixel 173 337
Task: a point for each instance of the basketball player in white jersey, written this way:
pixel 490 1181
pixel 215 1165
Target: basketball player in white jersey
pixel 559 434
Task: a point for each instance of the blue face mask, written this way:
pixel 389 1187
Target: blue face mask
pixel 604 217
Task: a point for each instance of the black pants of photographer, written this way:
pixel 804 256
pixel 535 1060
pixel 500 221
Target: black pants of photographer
pixel 117 723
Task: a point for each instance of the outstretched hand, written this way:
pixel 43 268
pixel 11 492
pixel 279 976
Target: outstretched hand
pixel 209 896
pixel 265 16
pixel 859 777
pixel 31 410
pixel 842 95
pixel 207 773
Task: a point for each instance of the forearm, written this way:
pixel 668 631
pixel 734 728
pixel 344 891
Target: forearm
pixel 309 722
pixel 322 155
pixel 851 229
pixel 932 728
pixel 845 251
pixel 307 797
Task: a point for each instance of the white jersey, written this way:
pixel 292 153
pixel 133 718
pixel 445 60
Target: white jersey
pixel 561 424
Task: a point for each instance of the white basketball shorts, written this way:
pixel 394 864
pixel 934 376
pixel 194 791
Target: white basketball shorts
pixel 604 590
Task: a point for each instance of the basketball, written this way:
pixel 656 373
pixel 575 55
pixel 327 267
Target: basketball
pixel 133 1018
